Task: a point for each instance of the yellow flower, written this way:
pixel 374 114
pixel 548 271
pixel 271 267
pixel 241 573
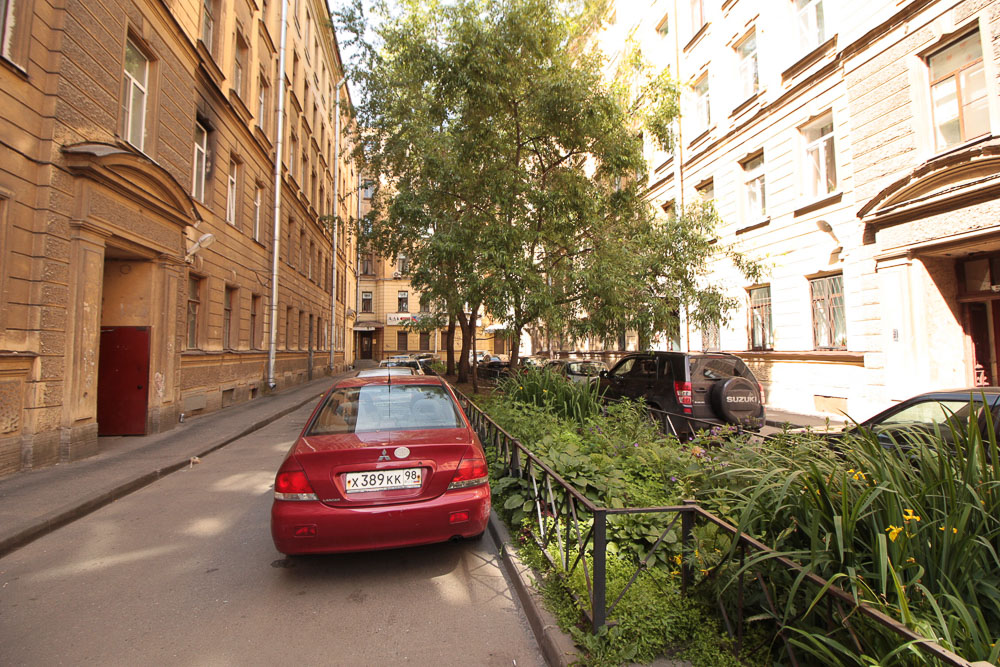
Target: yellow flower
pixel 677 559
pixel 908 515
pixel 911 560
pixel 894 532
pixel 953 530
pixel 704 572
pixel 858 475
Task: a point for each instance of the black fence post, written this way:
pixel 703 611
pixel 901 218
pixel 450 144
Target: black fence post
pixel 687 525
pixel 600 568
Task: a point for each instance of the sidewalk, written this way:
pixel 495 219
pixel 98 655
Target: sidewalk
pixel 36 502
pixel 778 418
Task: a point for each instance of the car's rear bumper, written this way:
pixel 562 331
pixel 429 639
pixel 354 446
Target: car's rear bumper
pixel 381 527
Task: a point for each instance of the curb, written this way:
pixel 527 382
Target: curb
pixel 60 518
pixel 557 647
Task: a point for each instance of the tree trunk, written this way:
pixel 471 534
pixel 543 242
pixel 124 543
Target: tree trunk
pixel 450 338
pixel 463 355
pixel 475 359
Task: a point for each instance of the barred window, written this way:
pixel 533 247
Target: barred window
pixel 761 335
pixel 829 325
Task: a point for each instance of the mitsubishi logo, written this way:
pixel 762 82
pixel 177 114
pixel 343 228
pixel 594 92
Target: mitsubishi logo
pixel 384 456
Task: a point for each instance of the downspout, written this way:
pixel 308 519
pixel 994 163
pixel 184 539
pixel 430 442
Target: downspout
pixel 336 217
pixel 272 348
pixel 357 273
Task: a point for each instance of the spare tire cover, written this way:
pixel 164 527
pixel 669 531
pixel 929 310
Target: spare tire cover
pixel 737 400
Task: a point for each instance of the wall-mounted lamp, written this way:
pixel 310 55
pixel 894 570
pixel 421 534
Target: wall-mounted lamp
pixel 825 226
pixel 203 242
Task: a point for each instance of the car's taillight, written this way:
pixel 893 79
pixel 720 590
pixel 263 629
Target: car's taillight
pixel 291 483
pixel 761 387
pixel 684 395
pixel 472 471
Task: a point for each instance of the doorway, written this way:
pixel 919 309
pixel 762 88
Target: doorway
pixel 122 374
pixel 982 319
pixel 365 340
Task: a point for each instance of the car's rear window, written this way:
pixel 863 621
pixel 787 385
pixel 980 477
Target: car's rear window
pixel 587 368
pixel 716 368
pixel 386 408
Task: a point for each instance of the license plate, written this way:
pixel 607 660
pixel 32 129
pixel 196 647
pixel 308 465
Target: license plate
pixel 383 480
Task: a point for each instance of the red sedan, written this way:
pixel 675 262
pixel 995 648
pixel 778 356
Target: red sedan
pixel 383 462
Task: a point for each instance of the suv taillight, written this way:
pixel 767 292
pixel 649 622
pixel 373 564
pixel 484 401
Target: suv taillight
pixel 291 483
pixel 471 471
pixel 761 387
pixel 684 395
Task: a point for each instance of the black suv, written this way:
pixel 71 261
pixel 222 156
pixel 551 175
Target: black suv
pixel 691 390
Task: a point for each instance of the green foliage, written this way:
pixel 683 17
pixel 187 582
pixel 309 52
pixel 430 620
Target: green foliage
pixel 551 391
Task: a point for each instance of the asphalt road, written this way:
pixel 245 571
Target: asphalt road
pixel 183 572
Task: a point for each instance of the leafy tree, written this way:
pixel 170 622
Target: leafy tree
pixel 508 172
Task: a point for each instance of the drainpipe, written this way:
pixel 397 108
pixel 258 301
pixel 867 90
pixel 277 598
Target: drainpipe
pixel 336 216
pixel 357 273
pixel 272 348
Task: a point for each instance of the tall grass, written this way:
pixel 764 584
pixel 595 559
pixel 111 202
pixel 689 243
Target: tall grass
pixel 565 399
pixel 909 524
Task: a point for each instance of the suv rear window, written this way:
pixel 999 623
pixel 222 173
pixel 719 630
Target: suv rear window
pixel 716 368
pixel 386 408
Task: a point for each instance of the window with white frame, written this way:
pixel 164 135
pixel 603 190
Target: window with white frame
pixel 706 191
pixel 403 302
pixel 761 336
pixel 820 171
pixel 746 51
pixel 811 22
pixel 228 300
pixel 754 189
pixel 200 166
pixel 135 92
pixel 240 65
pixel 231 188
pixel 958 92
pixel 829 323
pixel 263 94
pixel 663 27
pixel 702 108
pixel 208 23
pixel 366 302
pixel 258 195
pixel 193 312
pixel 697 15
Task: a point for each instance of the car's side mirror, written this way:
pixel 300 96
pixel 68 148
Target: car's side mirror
pixel 603 374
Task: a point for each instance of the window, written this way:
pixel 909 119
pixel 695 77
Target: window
pixel 302 250
pixel 755 199
pixel 702 110
pixel 229 297
pixel 821 160
pixel 366 302
pixel 663 29
pixel 401 340
pixel 288 328
pixel 207 24
pixel 15 33
pixel 258 195
pixel 425 306
pixel 706 190
pixel 255 309
pixel 829 327
pixel 958 92
pixel 193 311
pixel 812 31
pixel 289 254
pixel 240 66
pixel 200 162
pixel 293 153
pixel 425 340
pixel 312 255
pixel 262 97
pixel 761 337
pixel 303 332
pixel 746 50
pixel 697 15
pixel 231 183
pixel 403 264
pixel 134 94
pixel 403 302
pixel 710 337
pixel 369 189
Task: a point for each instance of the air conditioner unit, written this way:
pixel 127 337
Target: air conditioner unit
pixel 396 274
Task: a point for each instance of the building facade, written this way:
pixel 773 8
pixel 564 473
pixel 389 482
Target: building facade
pixel 138 208
pixel 847 146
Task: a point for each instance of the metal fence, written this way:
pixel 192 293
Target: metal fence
pixel 576 529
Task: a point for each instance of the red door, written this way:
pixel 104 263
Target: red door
pixel 123 376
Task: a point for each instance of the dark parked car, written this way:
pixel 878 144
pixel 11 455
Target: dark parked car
pixel 580 371
pixel 933 412
pixel 690 391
